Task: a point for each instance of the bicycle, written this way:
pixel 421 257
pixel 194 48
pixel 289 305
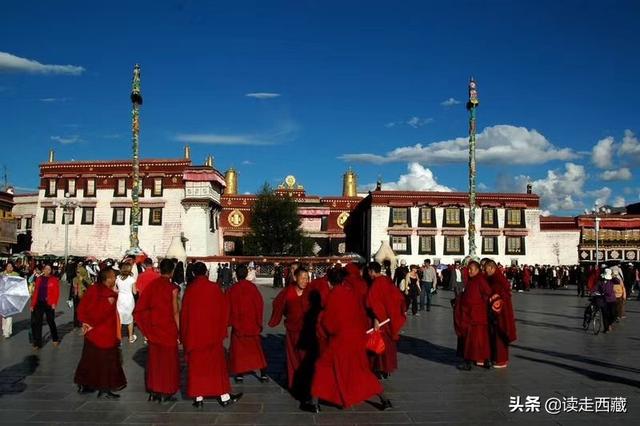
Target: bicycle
pixel 593 314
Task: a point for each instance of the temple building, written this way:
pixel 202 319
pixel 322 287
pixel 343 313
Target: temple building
pixel 7 222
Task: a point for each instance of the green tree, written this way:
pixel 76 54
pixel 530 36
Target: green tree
pixel 276 227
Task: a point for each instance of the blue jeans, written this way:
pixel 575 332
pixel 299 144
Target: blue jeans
pixel 425 293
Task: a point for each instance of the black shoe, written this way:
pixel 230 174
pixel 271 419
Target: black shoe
pixel 235 397
pixel 488 365
pixel 85 389
pixel 108 395
pixel 310 407
pixel 264 379
pixel 465 366
pixel 153 397
pixel 198 404
pixel 385 404
pixel 238 379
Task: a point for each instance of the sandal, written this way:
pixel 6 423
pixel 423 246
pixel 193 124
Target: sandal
pixel 133 338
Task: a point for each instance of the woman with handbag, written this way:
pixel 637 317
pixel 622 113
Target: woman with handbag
pixel 411 288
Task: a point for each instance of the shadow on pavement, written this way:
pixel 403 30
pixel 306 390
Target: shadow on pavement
pixel 548 325
pixel 550 314
pixel 12 378
pixel 426 350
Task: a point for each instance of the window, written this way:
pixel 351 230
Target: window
pixel 453 245
pixel 51 188
pixel 515 245
pixel 399 216
pixel 18 224
pixel 118 216
pixel 90 188
pixel 28 223
pixel 69 214
pixel 489 245
pixel 427 244
pixel 49 215
pixel 131 217
pixel 489 218
pixel 71 187
pixel 155 216
pixel 401 244
pixel 121 188
pixel 87 215
pixel 453 216
pixel 427 216
pixel 213 220
pixel 156 191
pixel 514 218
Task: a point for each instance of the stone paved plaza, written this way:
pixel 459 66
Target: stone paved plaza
pixel 553 357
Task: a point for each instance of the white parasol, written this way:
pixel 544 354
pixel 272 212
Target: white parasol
pixel 14 295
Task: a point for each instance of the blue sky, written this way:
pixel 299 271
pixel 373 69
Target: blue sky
pixel 376 85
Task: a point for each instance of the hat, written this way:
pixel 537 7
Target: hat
pixel 403 262
pixel 607 274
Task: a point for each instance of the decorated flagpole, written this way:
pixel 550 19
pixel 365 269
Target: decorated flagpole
pixel 136 101
pixel 472 104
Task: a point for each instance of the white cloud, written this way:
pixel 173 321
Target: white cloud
pixel 496 144
pixel 630 147
pixel 220 139
pixel 602 154
pixel 619 174
pixel 51 100
pixel 449 102
pixel 248 163
pixel 413 121
pixel 601 195
pixel 418 178
pixel 619 202
pixel 262 95
pixel 12 63
pixel 559 190
pixel 67 140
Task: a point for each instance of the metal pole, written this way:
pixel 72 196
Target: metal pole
pixel 66 234
pixel 597 240
pixel 472 104
pixel 136 101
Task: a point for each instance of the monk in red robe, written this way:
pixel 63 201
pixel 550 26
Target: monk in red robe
pixel 294 304
pixel 247 306
pixel 204 321
pixel 355 281
pixel 342 374
pixel 100 367
pixel 157 315
pixel 386 301
pixel 503 324
pixel 472 321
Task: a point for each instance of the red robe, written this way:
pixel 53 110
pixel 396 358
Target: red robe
pixel 318 290
pixel 355 281
pixel 155 318
pixel 247 306
pixel 473 323
pixel 342 373
pixel 502 312
pixel 385 301
pixel 203 327
pixel 294 308
pixel 100 366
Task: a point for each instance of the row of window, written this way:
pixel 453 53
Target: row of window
pixel 454 217
pixel 88 216
pixel 119 190
pixel 401 244
pixel 28 222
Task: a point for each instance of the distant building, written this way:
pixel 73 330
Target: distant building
pixel 24 212
pixel 7 222
pixel 618 238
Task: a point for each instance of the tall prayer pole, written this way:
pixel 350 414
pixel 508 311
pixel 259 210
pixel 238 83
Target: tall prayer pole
pixel 472 104
pixel 136 101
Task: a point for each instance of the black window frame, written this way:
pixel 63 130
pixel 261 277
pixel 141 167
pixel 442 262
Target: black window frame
pixel 153 187
pixel 407 240
pixel 433 244
pixel 86 187
pixel 44 216
pixel 72 214
pixel 445 249
pixel 67 190
pixel 522 223
pixel 432 217
pixel 28 225
pixel 83 219
pixel 523 247
pixel 460 216
pixel 408 222
pixel 117 187
pixel 47 190
pixel 114 216
pixel 19 224
pixel 495 244
pixel 495 217
pixel 151 221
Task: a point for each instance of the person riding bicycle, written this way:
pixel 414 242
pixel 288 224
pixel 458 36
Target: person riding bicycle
pixel 605 288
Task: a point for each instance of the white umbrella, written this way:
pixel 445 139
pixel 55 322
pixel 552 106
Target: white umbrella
pixel 14 295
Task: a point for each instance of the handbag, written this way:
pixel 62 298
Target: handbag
pixel 375 343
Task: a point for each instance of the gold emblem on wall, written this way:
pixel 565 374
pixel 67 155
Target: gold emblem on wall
pixel 236 218
pixel 342 219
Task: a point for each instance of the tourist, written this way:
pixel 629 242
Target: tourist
pixel 411 287
pixel 80 284
pixel 158 317
pixel 385 301
pixel 428 284
pixel 292 303
pixel 245 349
pixel 278 276
pixel 473 321
pixel 204 319
pixel 456 282
pixel 43 303
pixel 605 288
pixel 7 322
pixel 620 291
pixel 502 324
pixel 342 374
pixel 100 366
pixel 400 272
pixel 126 284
